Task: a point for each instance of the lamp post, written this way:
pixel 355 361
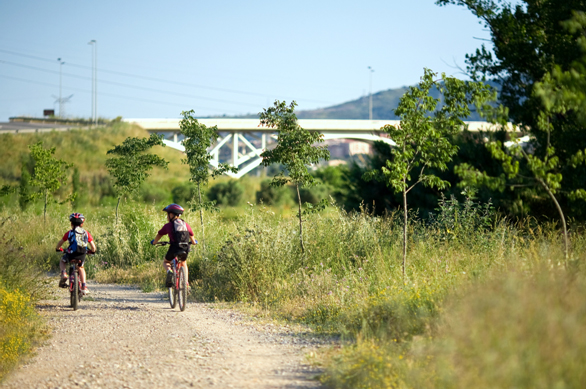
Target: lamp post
pixel 94 80
pixel 60 79
pixel 370 71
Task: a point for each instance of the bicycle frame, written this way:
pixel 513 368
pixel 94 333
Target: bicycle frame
pixel 73 279
pixel 178 290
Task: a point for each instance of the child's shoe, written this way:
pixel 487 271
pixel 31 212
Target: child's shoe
pixel 84 290
pixel 63 281
pixel 169 280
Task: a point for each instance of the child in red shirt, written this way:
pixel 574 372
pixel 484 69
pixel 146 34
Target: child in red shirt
pixel 180 235
pixel 79 242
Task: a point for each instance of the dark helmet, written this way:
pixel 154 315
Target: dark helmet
pixel 174 208
pixel 76 218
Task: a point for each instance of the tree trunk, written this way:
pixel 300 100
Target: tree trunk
pixel 117 205
pixel 45 208
pixel 203 244
pixel 566 244
pixel 300 221
pixel 404 230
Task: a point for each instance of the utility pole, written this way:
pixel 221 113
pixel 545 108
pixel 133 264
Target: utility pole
pixel 60 79
pixel 94 80
pixel 371 70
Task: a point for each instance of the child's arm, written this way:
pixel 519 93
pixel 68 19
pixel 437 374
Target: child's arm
pixel 156 240
pixel 193 241
pixel 92 246
pixel 59 244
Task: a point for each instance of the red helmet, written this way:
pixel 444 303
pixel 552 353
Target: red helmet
pixel 76 218
pixel 174 208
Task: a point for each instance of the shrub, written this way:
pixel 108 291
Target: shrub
pixel 184 193
pixel 270 195
pixel 20 328
pixel 226 193
pixel 313 194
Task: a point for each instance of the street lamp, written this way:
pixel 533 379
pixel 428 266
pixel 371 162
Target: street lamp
pixel 61 63
pixel 94 80
pixel 371 70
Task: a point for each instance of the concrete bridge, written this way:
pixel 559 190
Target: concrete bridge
pixel 242 141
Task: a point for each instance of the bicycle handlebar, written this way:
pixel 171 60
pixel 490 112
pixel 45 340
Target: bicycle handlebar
pixel 167 243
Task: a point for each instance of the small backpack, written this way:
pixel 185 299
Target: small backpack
pixel 181 234
pixel 78 241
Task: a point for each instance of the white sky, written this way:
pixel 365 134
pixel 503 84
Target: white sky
pixel 221 57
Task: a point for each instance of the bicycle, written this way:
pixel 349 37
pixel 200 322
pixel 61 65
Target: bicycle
pixel 74 281
pixel 178 291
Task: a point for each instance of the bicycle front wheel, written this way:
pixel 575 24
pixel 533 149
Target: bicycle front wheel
pixel 172 294
pixel 182 292
pixel 74 289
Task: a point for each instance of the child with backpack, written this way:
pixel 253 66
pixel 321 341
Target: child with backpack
pixel 79 242
pixel 180 235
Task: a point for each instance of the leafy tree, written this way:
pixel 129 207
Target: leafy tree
pixel 562 91
pixel 423 136
pixel 132 165
pixel 48 175
pixel 533 42
pixel 198 139
pixel 521 169
pixel 295 150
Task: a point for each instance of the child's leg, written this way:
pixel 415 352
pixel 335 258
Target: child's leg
pixel 82 274
pixel 183 264
pixel 63 268
pixel 167 265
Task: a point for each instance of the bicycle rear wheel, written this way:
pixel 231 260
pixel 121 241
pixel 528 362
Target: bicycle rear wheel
pixel 182 292
pixel 173 294
pixel 74 289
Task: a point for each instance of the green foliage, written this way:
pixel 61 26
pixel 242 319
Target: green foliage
pixel 6 190
pixel 183 193
pixel 226 193
pixel 423 138
pixel 271 195
pixel 423 141
pixel 314 194
pixel 132 165
pixel 198 139
pixel 538 58
pixel 49 173
pixel 75 187
pixel 295 149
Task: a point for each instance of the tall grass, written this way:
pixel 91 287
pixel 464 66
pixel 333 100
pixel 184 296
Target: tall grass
pixel 469 274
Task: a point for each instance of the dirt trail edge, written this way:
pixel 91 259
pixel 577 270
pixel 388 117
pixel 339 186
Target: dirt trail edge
pixel 128 339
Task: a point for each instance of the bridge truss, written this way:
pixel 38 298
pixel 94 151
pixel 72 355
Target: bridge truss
pixel 242 141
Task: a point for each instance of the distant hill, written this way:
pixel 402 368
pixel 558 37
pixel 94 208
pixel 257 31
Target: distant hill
pixel 383 106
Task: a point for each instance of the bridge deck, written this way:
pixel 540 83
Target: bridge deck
pixel 252 125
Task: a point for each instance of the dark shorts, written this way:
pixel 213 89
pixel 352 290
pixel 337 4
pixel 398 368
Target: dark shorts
pixel 173 252
pixel 77 257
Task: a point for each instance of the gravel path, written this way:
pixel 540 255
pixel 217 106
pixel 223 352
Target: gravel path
pixel 128 339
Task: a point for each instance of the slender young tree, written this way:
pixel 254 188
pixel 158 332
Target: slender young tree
pixel 295 150
pixel 49 174
pixel 198 139
pixel 132 165
pixel 423 137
